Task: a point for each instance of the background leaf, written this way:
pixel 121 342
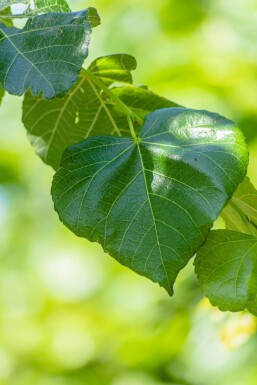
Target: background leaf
pixel 151 204
pixel 241 212
pixel 87 109
pixel 226 267
pixel 30 60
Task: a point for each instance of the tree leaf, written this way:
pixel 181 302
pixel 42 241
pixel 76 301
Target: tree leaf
pixel 226 267
pixel 44 6
pixel 151 202
pixel 241 212
pixel 87 109
pixel 46 55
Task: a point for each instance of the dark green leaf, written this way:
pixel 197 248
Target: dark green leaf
pixel 151 202
pixel 241 212
pixel 226 267
pixel 46 55
pixel 86 110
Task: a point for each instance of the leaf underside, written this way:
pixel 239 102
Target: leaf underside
pixel 151 204
pixel 226 267
pixel 47 53
pixel 86 110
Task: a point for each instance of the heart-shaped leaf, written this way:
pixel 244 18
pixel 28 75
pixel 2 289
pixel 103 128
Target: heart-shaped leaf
pixel 46 55
pixel 87 109
pixel 151 202
pixel 226 267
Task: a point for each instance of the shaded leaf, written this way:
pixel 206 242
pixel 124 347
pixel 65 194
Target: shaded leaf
pixel 150 203
pixel 226 267
pixel 241 212
pixel 87 110
pixel 46 55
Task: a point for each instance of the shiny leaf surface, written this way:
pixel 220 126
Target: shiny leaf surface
pixel 151 202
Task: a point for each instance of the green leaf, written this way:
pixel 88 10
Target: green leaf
pixel 46 55
pixel 88 109
pixel 226 267
pixel 44 6
pixel 241 212
pixel 150 203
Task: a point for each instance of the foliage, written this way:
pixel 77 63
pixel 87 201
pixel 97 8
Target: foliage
pixel 150 200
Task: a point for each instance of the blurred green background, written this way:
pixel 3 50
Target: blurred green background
pixel 70 315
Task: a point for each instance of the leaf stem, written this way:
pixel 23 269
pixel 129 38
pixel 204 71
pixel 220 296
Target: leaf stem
pixel 127 111
pixel 132 130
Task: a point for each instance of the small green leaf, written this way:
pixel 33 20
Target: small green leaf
pixel 241 212
pixel 46 55
pixel 87 109
pixel 226 267
pixel 151 203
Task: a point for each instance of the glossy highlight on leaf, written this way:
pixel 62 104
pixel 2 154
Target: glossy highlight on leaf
pixel 226 267
pixel 151 203
pixel 46 56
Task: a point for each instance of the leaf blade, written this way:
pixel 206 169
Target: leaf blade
pixel 226 268
pixel 150 204
pixel 43 67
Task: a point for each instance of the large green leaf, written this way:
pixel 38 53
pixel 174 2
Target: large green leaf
pixel 46 55
pixel 87 109
pixel 226 268
pixel 151 202
pixel 241 212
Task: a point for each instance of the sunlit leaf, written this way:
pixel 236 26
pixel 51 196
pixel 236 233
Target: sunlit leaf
pixel 151 202
pixel 241 212
pixel 46 55
pixel 44 6
pixel 226 267
pixel 87 110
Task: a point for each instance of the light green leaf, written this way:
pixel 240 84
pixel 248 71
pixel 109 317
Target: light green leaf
pixel 46 55
pixel 241 212
pixel 88 109
pixel 151 202
pixel 226 267
pixel 44 6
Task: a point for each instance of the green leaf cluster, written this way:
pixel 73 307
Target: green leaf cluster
pixel 137 173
